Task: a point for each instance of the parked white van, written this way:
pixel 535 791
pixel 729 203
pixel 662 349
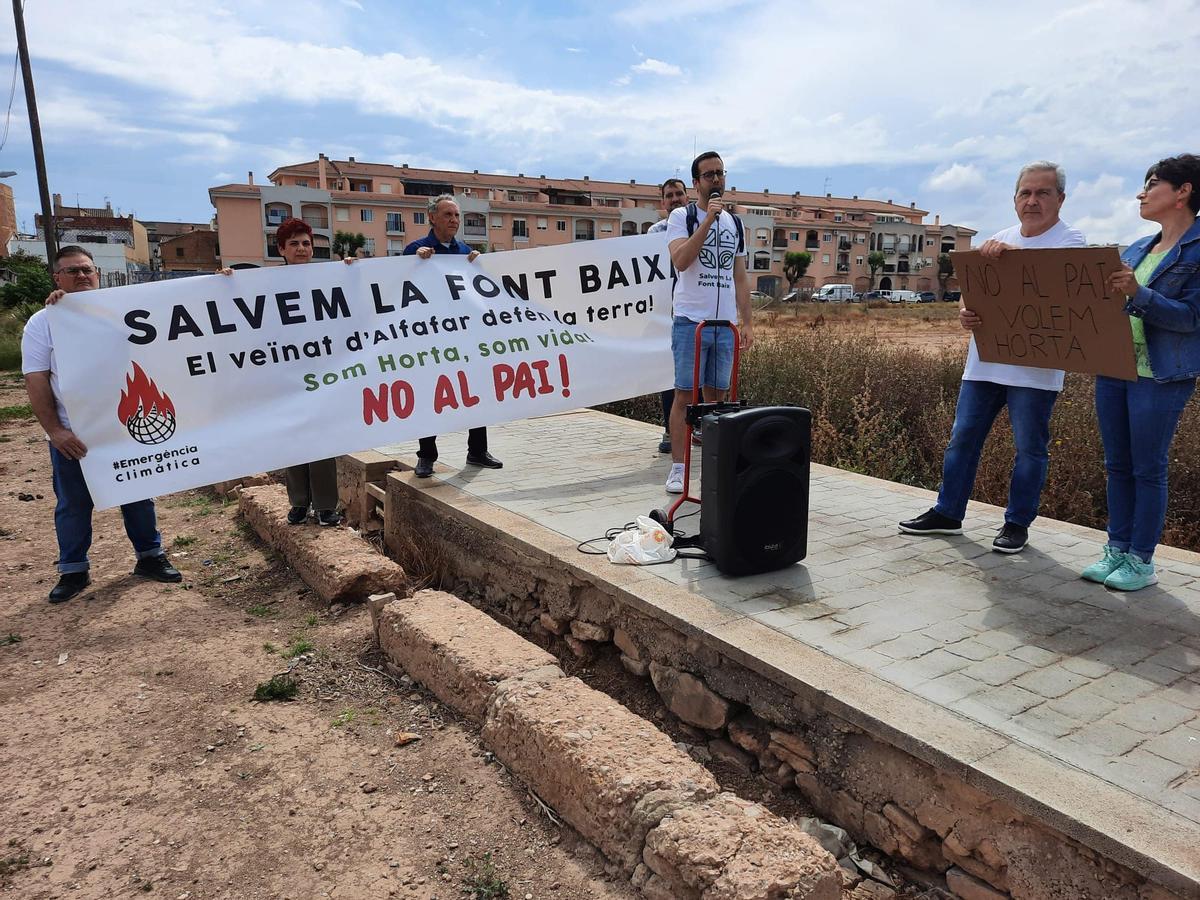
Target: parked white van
pixel 904 297
pixel 834 292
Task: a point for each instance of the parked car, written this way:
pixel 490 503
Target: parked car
pixel 876 295
pixel 952 296
pixel 791 297
pixel 759 298
pixel 926 297
pixel 857 298
pixel 906 297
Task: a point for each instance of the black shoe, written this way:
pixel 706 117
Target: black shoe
pixel 932 522
pixel 297 515
pixel 1011 539
pixel 327 518
pixel 68 586
pixel 424 467
pixel 484 459
pixel 157 567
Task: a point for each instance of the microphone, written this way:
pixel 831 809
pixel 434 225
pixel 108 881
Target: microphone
pixel 715 195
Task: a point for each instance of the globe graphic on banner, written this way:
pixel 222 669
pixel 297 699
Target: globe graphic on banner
pixel 147 413
pixel 151 429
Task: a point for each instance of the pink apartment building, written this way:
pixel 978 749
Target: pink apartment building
pixel 387 204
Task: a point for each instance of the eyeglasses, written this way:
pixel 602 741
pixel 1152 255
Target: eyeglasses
pixel 78 270
pixel 713 175
pixel 1151 185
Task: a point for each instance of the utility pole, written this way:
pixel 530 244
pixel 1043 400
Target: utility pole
pixel 35 132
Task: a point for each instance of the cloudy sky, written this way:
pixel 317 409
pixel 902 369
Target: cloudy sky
pixel 149 104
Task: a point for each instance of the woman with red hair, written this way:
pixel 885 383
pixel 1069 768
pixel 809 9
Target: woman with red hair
pixel 311 484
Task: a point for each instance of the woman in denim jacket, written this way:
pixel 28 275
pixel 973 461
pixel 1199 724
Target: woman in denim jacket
pixel 1160 280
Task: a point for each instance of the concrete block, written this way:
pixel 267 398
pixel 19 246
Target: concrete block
pixel 730 849
pixel 455 650
pixel 608 772
pixel 335 562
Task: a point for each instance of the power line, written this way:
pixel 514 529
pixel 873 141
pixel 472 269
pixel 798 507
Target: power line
pixel 12 93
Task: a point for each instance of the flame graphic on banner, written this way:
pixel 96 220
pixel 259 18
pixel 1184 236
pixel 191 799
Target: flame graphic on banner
pixel 142 393
pixel 147 413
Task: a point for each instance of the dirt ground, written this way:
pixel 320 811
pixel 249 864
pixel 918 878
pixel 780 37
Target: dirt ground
pixel 132 759
pixel 924 326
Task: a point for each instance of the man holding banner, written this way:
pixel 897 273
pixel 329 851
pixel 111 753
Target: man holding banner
pixel 674 196
pixel 1028 392
pixel 75 271
pixel 444 218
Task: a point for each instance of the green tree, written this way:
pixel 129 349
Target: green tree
pixel 28 282
pixel 795 264
pixel 875 261
pixel 347 243
pixel 944 273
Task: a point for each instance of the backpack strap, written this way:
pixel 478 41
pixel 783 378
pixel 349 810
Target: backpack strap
pixel 693 220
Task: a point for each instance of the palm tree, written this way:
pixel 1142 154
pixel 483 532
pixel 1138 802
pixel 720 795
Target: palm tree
pixel 795 264
pixel 875 261
pixel 346 243
pixel 944 273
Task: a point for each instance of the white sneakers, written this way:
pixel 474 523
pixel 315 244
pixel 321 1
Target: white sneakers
pixel 675 479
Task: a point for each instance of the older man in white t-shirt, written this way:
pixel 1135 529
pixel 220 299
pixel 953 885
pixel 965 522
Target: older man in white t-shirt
pixel 987 388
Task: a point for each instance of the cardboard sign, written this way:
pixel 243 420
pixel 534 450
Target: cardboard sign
pixel 1051 309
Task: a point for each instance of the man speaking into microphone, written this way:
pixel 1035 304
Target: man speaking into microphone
pixel 708 249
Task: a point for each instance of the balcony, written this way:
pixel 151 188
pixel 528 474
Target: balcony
pixel 478 232
pixel 275 218
pixel 844 244
pixel 843 267
pixel 316 222
pixel 779 244
pixel 812 245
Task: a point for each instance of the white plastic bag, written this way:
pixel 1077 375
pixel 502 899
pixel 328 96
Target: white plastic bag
pixel 642 545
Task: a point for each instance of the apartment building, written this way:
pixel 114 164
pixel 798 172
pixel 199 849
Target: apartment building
pixel 387 204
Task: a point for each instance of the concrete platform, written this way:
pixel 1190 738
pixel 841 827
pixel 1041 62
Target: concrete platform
pixel 1078 704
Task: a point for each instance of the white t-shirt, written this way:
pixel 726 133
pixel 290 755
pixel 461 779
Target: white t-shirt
pixel 705 288
pixel 37 355
pixel 660 225
pixel 1060 235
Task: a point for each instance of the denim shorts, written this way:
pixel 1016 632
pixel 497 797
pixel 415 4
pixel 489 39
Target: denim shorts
pixel 716 355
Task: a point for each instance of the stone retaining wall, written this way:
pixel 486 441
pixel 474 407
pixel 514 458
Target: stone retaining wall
pixel 882 795
pixel 650 809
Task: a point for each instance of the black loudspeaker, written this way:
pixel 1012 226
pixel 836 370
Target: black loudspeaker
pixel 754 488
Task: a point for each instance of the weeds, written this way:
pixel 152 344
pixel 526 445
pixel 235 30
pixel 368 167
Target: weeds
pixel 268 647
pixel 298 647
pixel 183 540
pixel 12 638
pixel 482 881
pixel 16 413
pixel 280 687
pixel 200 504
pixel 345 717
pixel 263 611
pixel 311 621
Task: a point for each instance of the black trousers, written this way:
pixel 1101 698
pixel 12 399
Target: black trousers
pixel 476 444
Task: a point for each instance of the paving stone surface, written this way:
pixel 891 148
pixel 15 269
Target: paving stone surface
pixel 1108 683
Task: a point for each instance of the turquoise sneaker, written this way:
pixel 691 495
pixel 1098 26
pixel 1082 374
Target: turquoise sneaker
pixel 1105 566
pixel 1132 575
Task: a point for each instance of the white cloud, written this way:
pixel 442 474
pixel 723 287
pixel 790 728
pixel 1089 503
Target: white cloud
pixel 1106 210
pixel 957 177
pixel 652 66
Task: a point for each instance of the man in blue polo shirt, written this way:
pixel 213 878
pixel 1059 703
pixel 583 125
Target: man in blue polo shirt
pixel 444 219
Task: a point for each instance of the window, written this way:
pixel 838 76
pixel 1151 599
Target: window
pixel 418 218
pixel 519 229
pixel 541 224
pixel 369 246
pixel 827 236
pixel 395 248
pixel 860 239
pixel 606 227
pixel 762 261
pixel 395 221
pixel 342 214
pixel 497 221
pixel 561 225
pixel 366 215
pixel 837 217
pixel 825 258
pixel 179 251
pixel 761 234
pixel 363 187
pixel 793 235
pixel 859 260
pixel 385 188
pixel 301 182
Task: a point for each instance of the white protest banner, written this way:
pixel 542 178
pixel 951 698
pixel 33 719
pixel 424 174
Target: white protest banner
pixel 182 383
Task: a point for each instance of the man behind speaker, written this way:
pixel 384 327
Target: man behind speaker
pixel 710 258
pixel 1029 393
pixel 674 196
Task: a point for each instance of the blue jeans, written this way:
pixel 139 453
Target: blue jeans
pixel 1145 414
pixel 716 355
pixel 979 402
pixel 73 518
